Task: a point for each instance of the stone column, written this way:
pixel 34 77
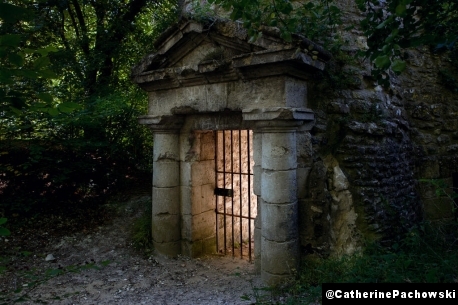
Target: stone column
pixel 166 230
pixel 257 170
pixel 279 217
pixel 278 204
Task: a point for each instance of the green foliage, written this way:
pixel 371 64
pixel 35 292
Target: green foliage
pixel 77 156
pixel 72 136
pixel 141 231
pixel 422 256
pixel 315 19
pixel 23 68
pixel 396 25
pixel 426 254
pixel 202 12
pixel 390 26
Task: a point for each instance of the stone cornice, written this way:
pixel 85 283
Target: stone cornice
pixel 267 57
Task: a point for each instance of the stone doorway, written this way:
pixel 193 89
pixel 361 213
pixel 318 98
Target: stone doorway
pixel 235 201
pixel 193 96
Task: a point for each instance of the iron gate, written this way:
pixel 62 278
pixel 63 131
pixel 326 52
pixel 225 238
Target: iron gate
pixel 235 202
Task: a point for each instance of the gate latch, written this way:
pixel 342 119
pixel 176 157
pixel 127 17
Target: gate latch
pixel 224 192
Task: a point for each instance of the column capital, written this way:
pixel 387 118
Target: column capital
pixel 162 123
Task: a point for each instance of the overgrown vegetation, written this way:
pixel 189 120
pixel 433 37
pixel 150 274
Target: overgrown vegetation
pixel 397 25
pixel 427 254
pixel 391 27
pixel 68 109
pixel 141 230
pixel 316 19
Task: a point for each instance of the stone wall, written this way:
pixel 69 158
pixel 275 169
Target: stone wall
pixel 432 112
pixel 380 143
pixel 368 148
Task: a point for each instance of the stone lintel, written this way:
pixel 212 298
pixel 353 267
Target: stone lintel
pixel 295 115
pixel 162 123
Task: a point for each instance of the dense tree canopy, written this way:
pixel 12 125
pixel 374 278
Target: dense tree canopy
pixel 68 52
pixel 67 107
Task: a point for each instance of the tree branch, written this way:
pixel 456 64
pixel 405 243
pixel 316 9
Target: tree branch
pixel 82 22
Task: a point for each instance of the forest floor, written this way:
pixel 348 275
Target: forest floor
pixel 89 258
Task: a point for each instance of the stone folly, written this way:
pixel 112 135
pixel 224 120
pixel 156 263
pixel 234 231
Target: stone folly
pixel 206 84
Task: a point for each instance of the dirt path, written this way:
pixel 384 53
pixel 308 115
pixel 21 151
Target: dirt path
pixel 129 278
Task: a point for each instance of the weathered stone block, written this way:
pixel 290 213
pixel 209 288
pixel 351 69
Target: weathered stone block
pixel 207 146
pixel 304 149
pixel 279 151
pixel 203 172
pixel 166 146
pixel 203 225
pixel 200 247
pixel 166 228
pixel 196 200
pixel 217 97
pixel 295 93
pixel 280 258
pixel 208 197
pixel 279 186
pixel 166 174
pixel 279 222
pixel 203 199
pixel 209 245
pixel 430 169
pixel 166 200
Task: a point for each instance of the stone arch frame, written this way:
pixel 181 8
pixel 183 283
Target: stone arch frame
pixel 277 173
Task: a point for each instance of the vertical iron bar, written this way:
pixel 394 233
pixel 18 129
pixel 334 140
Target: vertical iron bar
pixel 215 135
pixel 224 198
pixel 240 184
pixel 249 195
pixel 232 187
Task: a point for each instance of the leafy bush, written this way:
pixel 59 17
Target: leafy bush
pixel 82 155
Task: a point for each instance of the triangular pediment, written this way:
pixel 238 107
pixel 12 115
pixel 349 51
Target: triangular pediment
pixel 191 53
